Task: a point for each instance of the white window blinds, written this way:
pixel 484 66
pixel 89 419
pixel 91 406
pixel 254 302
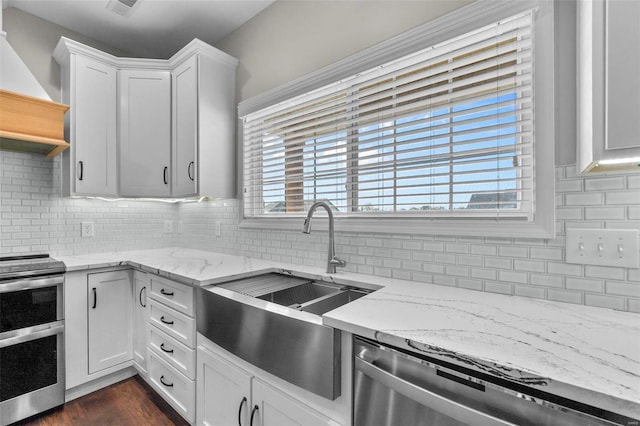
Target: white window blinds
pixel 444 132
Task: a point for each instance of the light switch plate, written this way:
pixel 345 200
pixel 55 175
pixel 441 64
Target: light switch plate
pixel 217 228
pixel 605 247
pixel 168 227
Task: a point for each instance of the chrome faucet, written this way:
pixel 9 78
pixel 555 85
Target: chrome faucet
pixel 332 260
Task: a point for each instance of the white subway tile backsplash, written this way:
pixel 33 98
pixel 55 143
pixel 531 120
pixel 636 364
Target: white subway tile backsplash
pixel 604 183
pixel 604 213
pixel 584 199
pixel 34 218
pixel 610 302
pixel 584 284
pixel 623 288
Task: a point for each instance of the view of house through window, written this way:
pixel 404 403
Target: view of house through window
pixel 446 132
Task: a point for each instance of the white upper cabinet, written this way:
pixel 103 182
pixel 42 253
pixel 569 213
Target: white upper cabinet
pixel 165 128
pixel 203 99
pixel 145 133
pixel 608 61
pixel 89 87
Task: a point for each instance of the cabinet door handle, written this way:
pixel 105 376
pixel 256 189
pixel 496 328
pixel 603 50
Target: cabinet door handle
pixel 253 412
pixel 169 385
pixel 95 298
pixel 140 297
pixel 164 175
pixel 244 401
pixel 81 170
pixel 190 170
pixel 165 321
pixel 166 293
pixel 169 351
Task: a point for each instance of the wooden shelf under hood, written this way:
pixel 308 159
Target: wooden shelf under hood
pixel 29 124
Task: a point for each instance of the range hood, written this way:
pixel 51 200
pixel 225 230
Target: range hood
pixel 29 120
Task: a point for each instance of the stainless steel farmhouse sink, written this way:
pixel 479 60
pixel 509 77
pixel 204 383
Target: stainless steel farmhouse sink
pixel 287 339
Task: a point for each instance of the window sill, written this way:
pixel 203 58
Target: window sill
pixel 504 228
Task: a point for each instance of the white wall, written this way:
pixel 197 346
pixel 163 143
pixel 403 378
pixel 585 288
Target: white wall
pixel 292 38
pixel 34 39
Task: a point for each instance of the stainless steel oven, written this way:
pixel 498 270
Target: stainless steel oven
pixel 393 387
pixel 31 336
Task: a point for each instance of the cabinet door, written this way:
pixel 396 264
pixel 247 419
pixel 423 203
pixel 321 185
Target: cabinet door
pixel 145 133
pixel 223 395
pixel 185 127
pixel 109 319
pixel 274 408
pixel 140 319
pixel 93 127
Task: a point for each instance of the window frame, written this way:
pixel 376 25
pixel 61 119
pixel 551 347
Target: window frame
pixel 465 19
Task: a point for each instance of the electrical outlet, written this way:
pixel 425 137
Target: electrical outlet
pixel 606 247
pixel 168 227
pixel 217 228
pixel 87 229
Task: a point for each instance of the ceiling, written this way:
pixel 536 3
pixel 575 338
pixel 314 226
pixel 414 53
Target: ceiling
pixel 154 28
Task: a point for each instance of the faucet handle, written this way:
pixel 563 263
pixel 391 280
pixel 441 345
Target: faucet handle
pixel 338 262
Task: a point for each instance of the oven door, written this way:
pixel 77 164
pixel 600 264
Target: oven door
pixel 31 371
pixel 29 302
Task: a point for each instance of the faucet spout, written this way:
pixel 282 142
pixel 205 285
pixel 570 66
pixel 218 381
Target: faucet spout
pixel 332 260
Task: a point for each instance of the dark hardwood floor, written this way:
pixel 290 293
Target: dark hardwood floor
pixel 128 403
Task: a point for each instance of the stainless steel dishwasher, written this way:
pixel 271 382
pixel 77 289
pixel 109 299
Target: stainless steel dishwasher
pixel 394 388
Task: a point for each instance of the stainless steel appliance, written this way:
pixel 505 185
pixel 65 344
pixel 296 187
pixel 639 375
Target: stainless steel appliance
pixel 31 336
pixel 393 387
pixel 290 342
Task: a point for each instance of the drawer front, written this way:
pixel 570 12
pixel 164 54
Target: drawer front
pixel 177 325
pixel 176 354
pixel 176 389
pixel 178 296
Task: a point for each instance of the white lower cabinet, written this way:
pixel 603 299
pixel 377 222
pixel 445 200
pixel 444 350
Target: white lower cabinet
pixel 171 344
pixel 109 319
pixel 175 388
pixel 140 321
pixel 227 394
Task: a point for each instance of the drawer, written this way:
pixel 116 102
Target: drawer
pixel 178 296
pixel 176 354
pixel 176 389
pixel 177 325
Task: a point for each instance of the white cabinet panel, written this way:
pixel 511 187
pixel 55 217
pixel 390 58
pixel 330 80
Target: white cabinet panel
pixel 176 389
pixel 109 319
pixel 88 85
pixel 177 296
pixel 179 356
pixel 608 90
pixel 145 133
pixel 175 324
pixel 140 321
pixel 185 127
pixel 223 391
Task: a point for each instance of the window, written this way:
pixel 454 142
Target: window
pixel 439 135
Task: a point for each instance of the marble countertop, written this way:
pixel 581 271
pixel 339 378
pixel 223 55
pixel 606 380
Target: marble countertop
pixel 578 352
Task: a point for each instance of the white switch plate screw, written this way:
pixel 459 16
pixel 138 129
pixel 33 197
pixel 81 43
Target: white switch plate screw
pixel 217 228
pixel 605 247
pixel 87 229
pixel 168 227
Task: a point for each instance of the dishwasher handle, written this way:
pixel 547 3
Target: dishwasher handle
pixel 427 398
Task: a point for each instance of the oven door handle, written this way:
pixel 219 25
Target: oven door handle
pixel 457 411
pixel 32 333
pixel 28 284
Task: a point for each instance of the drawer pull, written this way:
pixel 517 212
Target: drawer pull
pixel 165 321
pixel 166 293
pixel 95 298
pixel 244 401
pixel 253 412
pixel 169 351
pixel 140 297
pixel 169 385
